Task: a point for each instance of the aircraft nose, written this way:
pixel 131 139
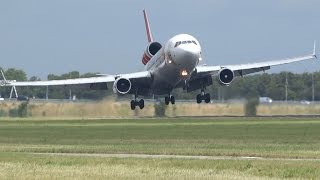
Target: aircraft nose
pixel 190 50
pixel 187 55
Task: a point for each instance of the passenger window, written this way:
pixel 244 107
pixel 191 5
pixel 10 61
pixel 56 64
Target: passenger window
pixel 184 42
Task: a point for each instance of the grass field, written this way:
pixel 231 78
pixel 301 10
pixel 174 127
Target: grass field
pixel 290 148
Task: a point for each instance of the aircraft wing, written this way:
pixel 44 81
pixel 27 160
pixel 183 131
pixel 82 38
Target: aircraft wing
pixel 244 69
pixel 61 82
pixel 137 77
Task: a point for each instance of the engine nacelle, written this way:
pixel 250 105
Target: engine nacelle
pixel 225 76
pixel 151 50
pixel 122 86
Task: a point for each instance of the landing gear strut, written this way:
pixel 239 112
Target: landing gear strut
pixel 169 99
pixel 134 103
pixel 203 97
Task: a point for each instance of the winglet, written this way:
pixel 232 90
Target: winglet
pixel 314 50
pixel 146 21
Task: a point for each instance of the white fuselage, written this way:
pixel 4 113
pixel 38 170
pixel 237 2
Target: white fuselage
pixel 174 63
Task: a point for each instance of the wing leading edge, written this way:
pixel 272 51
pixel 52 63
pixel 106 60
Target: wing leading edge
pixel 79 81
pixel 244 69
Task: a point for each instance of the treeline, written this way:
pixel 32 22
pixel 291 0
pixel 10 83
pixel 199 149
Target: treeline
pixel 299 87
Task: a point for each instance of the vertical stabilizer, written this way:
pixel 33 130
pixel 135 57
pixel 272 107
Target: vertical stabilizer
pixel 146 21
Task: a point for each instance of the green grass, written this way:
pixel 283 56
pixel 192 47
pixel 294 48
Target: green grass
pixel 293 138
pixel 263 137
pixel 27 166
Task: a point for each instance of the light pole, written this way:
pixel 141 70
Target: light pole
pixel 312 87
pixel 47 93
pixel 286 87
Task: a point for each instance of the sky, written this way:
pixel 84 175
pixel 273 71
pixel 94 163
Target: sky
pixel 108 36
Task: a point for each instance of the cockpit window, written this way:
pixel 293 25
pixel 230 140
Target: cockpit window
pixel 178 43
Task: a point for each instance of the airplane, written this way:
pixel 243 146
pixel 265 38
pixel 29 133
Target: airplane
pixel 175 64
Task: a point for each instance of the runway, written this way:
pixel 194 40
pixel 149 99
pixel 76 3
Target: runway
pixel 163 156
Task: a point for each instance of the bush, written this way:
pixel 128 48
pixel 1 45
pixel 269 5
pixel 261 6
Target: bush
pixel 160 109
pixel 21 111
pixel 3 113
pixel 13 112
pixel 251 106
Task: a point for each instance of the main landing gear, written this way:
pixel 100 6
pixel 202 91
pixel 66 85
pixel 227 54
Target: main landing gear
pixel 203 97
pixel 169 99
pixel 134 103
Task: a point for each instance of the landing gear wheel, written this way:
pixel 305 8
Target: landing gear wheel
pixel 141 104
pixel 199 98
pixel 133 105
pixel 167 100
pixel 207 98
pixel 172 100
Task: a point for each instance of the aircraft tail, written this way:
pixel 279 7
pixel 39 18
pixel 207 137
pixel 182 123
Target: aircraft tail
pixel 146 21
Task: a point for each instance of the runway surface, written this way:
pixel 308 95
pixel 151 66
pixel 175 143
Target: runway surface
pixel 161 156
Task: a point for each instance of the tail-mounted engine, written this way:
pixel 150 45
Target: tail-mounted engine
pixel 151 50
pixel 122 86
pixel 225 76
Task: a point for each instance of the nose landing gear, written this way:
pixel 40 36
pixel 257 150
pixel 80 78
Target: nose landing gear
pixel 169 99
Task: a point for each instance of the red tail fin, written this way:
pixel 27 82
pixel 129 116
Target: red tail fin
pixel 146 21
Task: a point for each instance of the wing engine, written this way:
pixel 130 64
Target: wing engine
pixel 225 76
pixel 151 50
pixel 122 86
